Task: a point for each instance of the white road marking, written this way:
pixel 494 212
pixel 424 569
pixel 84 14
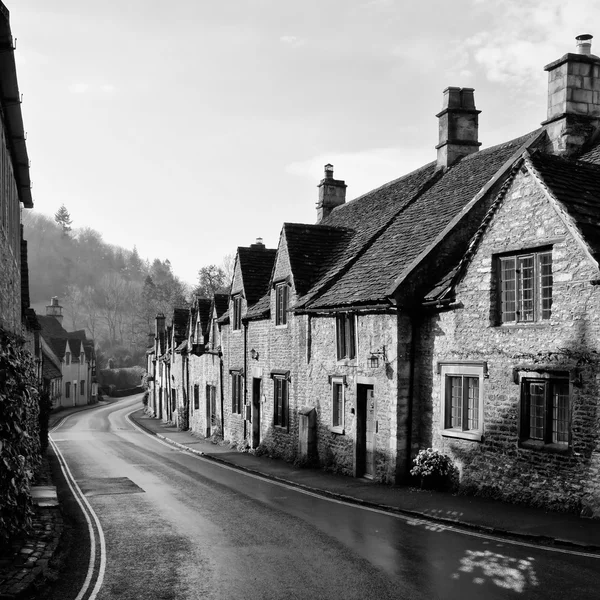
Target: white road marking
pixel 407 519
pixel 79 497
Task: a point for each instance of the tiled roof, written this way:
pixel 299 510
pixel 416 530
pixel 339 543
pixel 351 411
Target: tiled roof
pixel 256 265
pixel 423 204
pixel 56 335
pixel 221 303
pixel 313 250
pixel 576 185
pixel 204 314
pixel 592 154
pixel 260 309
pixel 49 369
pixel 180 322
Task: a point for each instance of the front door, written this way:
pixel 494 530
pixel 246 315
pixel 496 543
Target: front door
pixel 364 450
pixel 256 382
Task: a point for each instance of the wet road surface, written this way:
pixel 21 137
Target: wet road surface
pixel 177 526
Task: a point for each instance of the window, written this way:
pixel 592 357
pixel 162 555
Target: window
pixel 68 389
pixel 237 313
pixel 215 334
pixel 346 336
pixel 462 399
pixel 236 393
pixel 82 358
pixel 82 387
pixel 196 397
pixel 545 411
pixel 337 406
pixel 280 401
pixel 281 303
pixel 173 400
pixel 67 358
pixel 525 287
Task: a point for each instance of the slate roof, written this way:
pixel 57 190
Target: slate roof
pixel 56 336
pixel 180 323
pixel 576 185
pixel 394 224
pixel 256 265
pixel 204 306
pixel 221 303
pixel 49 369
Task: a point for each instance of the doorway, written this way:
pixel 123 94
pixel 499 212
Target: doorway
pixel 211 410
pixel 364 449
pixel 256 389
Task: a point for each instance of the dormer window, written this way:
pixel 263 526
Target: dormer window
pixel 281 303
pixel 67 359
pixel 237 313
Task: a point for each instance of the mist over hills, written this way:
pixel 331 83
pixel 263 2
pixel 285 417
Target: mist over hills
pixel 109 291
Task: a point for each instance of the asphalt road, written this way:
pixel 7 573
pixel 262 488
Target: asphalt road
pixel 177 526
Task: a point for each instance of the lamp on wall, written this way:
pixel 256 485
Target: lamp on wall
pixel 254 354
pixel 373 359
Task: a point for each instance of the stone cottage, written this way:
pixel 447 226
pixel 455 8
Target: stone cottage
pixel 454 307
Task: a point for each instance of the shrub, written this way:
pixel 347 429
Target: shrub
pixel 435 469
pixel 19 435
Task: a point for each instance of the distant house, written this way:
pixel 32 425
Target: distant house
pixel 455 307
pixel 16 192
pixel 71 353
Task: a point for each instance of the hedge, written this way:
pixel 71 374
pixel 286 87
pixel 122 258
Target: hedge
pixel 19 435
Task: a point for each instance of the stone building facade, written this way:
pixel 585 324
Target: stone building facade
pixel 454 307
pixel 15 189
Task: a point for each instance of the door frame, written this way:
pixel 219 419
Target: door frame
pixel 360 441
pixel 256 398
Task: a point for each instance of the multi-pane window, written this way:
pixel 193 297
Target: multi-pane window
pixel 236 393
pixel 337 406
pixel 281 408
pixel 196 396
pixel 462 402
pixel 545 410
pixel 346 336
pixel 281 303
pixel 237 312
pixel 525 287
pixel 461 388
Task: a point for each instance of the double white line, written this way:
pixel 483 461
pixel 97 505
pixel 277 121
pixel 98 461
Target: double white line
pixel 97 564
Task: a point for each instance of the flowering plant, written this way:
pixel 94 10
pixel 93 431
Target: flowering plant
pixel 431 463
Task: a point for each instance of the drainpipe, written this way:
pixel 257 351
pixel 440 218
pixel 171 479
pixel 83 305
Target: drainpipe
pixel 245 376
pixel 411 390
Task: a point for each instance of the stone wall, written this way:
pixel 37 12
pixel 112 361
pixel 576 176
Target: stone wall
pixel 499 465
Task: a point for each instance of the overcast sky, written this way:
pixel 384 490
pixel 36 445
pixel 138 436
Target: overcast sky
pixel 191 127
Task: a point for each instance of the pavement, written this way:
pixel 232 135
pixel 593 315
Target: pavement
pixel 25 565
pixel 482 514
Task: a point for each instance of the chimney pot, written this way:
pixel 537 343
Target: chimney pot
pixel 329 171
pixel 584 43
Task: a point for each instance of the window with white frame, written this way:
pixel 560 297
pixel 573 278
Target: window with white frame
pixel 338 401
pixel 461 387
pixel 545 410
pixel 346 336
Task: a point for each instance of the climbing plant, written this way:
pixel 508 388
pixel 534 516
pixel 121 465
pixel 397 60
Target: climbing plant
pixel 19 435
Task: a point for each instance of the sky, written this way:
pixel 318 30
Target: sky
pixel 188 128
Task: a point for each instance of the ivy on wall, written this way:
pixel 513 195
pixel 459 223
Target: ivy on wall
pixel 19 435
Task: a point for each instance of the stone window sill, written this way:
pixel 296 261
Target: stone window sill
pixel 474 436
pixel 544 447
pixel 337 430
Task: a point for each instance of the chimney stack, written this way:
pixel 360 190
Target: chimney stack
pixel 258 245
pixel 459 126
pixel 55 310
pixel 160 324
pixel 573 98
pixel 332 193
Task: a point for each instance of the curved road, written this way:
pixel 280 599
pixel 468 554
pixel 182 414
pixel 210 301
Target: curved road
pixel 177 526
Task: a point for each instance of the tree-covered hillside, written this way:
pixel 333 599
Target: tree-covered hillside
pixel 107 290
